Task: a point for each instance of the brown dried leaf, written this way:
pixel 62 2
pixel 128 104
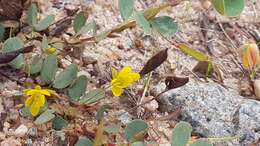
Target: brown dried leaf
pixel 175 82
pixel 11 9
pixel 8 57
pixel 154 62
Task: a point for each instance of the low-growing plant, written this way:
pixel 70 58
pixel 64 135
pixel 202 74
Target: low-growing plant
pixel 45 65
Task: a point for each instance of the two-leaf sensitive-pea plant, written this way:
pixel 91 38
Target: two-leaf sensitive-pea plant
pixel 45 64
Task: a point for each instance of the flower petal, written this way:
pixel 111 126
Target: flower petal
pixel 126 70
pixel 35 108
pixel 114 73
pixel 37 87
pixel 29 92
pixel 44 92
pixel 41 100
pixel 134 76
pixel 28 101
pixel 117 91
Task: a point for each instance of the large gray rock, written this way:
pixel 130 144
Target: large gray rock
pixel 214 111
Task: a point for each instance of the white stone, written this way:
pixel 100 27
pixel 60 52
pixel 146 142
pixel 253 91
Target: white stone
pixel 21 131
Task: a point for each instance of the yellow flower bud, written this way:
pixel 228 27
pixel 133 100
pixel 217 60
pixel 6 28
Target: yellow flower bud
pixel 250 56
pixel 50 50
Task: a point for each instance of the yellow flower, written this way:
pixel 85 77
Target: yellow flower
pixel 123 79
pixel 36 99
pixel 50 50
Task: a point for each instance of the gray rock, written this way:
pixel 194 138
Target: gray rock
pixel 215 111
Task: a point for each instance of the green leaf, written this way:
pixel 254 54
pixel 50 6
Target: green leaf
pixel 92 96
pixel 25 112
pixel 100 112
pixel 32 15
pixel 66 77
pixel 231 8
pixel 79 21
pixel 49 68
pixel 126 8
pixel 45 23
pixel 201 143
pixel 136 130
pixel 84 141
pixel 45 43
pixel 58 123
pixel 36 64
pixel 138 143
pixel 199 56
pixel 112 129
pixel 45 117
pixel 88 27
pixel 165 25
pixel 13 44
pixel 181 134
pixel 2 32
pixel 143 23
pixel 78 88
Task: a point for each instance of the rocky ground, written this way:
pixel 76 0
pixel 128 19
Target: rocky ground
pixel 214 107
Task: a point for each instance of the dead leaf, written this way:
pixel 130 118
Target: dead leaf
pixel 11 9
pixel 8 57
pixel 61 26
pixel 154 62
pixel 175 82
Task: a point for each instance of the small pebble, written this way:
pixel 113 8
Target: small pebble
pixel 21 131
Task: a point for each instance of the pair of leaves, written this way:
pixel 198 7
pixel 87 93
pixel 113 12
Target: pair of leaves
pixel 80 26
pixel 33 22
pixel 230 8
pixel 57 121
pixel 136 130
pixel 49 69
pixel 13 44
pixel 149 14
pixel 9 56
pixel 181 134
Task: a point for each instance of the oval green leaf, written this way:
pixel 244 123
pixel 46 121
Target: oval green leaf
pixel 58 123
pixel 231 8
pixel 36 64
pixel 45 23
pixel 13 44
pixel 79 21
pixel 126 8
pixel 66 77
pixel 78 88
pixel 45 117
pixel 181 134
pixel 49 68
pixel 32 15
pixel 93 96
pixel 136 130
pixel 165 25
pixel 143 23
